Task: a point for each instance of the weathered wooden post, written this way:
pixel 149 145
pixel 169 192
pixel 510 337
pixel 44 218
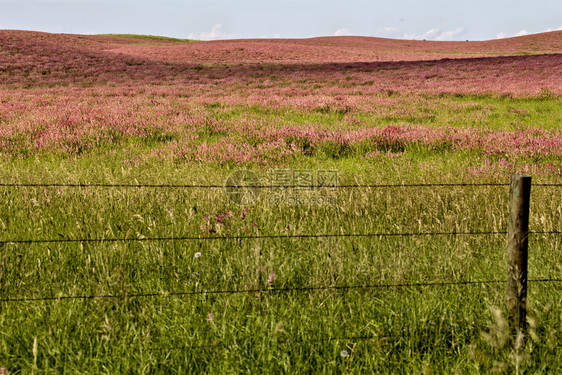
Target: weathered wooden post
pixel 517 248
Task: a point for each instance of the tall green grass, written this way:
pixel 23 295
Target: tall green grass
pixel 151 314
pixel 384 330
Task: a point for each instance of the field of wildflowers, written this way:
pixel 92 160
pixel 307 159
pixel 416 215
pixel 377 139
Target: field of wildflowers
pixel 79 109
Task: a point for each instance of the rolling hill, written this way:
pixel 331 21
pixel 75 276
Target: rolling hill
pixel 35 59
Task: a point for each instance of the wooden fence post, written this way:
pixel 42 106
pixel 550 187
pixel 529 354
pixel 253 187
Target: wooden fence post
pixel 517 247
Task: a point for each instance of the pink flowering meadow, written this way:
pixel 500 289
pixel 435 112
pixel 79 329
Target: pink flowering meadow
pixel 270 102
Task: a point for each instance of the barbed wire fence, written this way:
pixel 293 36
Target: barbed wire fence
pixel 166 294
pixel 266 186
pixel 270 290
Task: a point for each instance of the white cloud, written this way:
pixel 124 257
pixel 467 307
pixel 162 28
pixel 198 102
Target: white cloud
pixel 342 32
pixel 524 32
pixel 431 34
pixel 450 35
pixel 390 32
pixel 217 32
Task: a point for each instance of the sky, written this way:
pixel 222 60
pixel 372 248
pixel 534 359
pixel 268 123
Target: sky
pixel 233 19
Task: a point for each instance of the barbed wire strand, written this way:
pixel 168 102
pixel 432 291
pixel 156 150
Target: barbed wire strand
pixel 257 237
pixel 246 186
pixel 243 186
pixel 266 290
pixel 248 237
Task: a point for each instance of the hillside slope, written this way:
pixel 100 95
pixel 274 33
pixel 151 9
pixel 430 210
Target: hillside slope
pixel 520 65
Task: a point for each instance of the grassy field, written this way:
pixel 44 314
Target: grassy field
pixel 240 288
pixel 149 37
